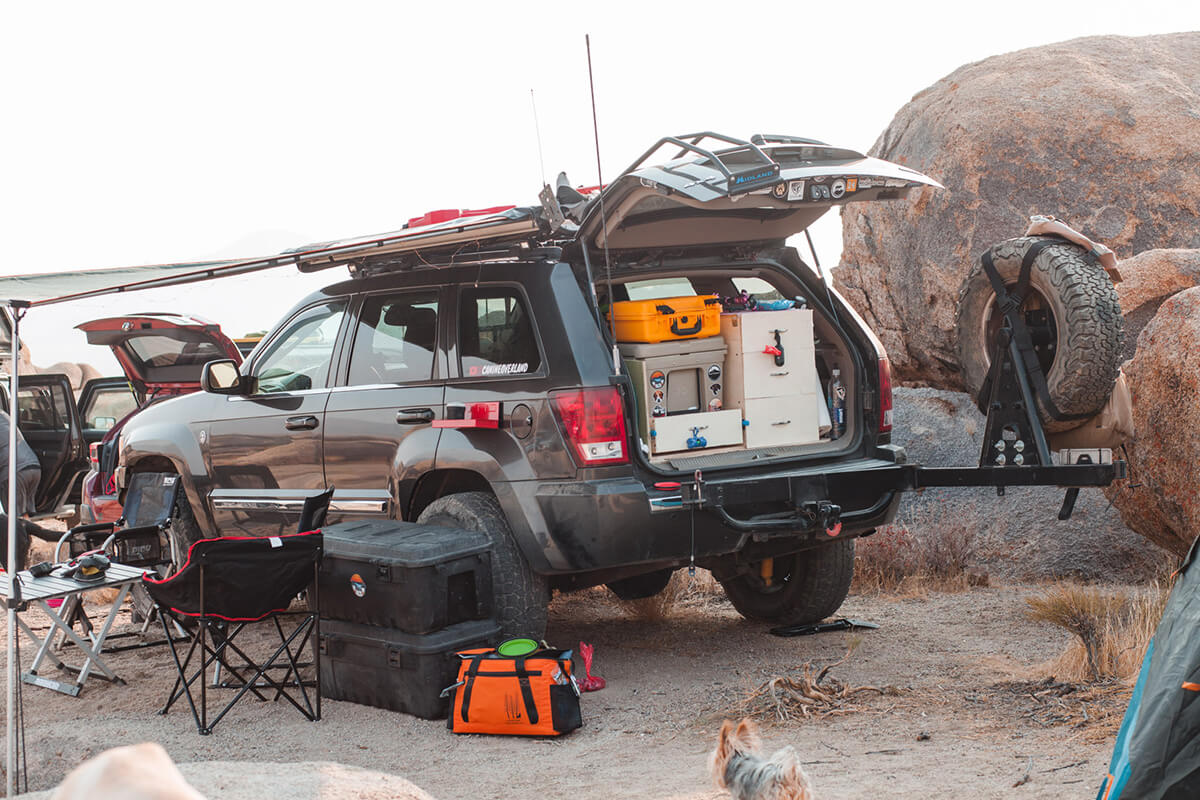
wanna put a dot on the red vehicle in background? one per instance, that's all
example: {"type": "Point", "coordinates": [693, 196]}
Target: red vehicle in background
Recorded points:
{"type": "Point", "coordinates": [162, 355]}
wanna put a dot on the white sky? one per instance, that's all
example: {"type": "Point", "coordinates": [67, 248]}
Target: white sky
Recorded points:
{"type": "Point", "coordinates": [148, 132]}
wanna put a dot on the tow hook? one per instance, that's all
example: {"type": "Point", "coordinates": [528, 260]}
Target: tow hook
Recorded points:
{"type": "Point", "coordinates": [823, 513]}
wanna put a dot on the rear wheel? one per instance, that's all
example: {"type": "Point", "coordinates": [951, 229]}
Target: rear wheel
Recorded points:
{"type": "Point", "coordinates": [803, 587]}
{"type": "Point", "coordinates": [520, 595]}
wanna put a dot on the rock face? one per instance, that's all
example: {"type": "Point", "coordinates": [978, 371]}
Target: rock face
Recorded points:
{"type": "Point", "coordinates": [1161, 500]}
{"type": "Point", "coordinates": [1102, 132]}
{"type": "Point", "coordinates": [1148, 279]}
{"type": "Point", "coordinates": [1018, 536]}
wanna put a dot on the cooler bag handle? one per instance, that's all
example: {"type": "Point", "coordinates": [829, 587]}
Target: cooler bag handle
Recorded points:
{"type": "Point", "coordinates": [531, 711]}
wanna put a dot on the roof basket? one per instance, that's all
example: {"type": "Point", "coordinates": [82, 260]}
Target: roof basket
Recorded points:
{"type": "Point", "coordinates": [761, 170]}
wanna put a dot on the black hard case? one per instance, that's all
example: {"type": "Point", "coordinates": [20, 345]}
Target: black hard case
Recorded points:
{"type": "Point", "coordinates": [395, 670]}
{"type": "Point", "coordinates": [411, 577]}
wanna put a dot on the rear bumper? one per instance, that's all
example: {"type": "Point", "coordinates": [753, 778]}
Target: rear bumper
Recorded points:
{"type": "Point", "coordinates": [621, 522]}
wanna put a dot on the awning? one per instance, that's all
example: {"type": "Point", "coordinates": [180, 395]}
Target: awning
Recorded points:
{"type": "Point", "coordinates": [59, 287]}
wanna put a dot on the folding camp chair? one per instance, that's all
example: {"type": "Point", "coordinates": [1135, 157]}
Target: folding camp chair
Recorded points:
{"type": "Point", "coordinates": [226, 585]}
{"type": "Point", "coordinates": [140, 538]}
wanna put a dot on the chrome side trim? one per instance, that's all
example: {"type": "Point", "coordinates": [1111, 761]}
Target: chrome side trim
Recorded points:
{"type": "Point", "coordinates": [359, 506]}
{"type": "Point", "coordinates": [295, 506]}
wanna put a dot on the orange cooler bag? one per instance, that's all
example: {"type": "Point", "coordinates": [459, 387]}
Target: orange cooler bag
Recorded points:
{"type": "Point", "coordinates": [531, 695]}
{"type": "Point", "coordinates": [667, 318]}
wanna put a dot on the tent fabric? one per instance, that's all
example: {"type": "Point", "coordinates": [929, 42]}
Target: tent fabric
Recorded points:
{"type": "Point", "coordinates": [1157, 753]}
{"type": "Point", "coordinates": [60, 287]}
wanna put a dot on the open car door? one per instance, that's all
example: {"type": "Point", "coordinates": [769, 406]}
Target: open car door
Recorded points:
{"type": "Point", "coordinates": [49, 421]}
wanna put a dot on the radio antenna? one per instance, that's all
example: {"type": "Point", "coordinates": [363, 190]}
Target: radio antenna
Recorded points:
{"type": "Point", "coordinates": [587, 40]}
{"type": "Point", "coordinates": [537, 129]}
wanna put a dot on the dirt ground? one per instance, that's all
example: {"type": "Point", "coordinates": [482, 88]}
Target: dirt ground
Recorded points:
{"type": "Point", "coordinates": [966, 719]}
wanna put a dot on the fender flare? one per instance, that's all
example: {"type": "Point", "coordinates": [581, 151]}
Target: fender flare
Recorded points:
{"type": "Point", "coordinates": [482, 452]}
{"type": "Point", "coordinates": [175, 443]}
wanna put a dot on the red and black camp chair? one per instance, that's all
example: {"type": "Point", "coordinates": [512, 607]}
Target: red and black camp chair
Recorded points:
{"type": "Point", "coordinates": [226, 585]}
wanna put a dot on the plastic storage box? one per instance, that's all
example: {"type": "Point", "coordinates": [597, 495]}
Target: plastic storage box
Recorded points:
{"type": "Point", "coordinates": [403, 575]}
{"type": "Point", "coordinates": [667, 318]}
{"type": "Point", "coordinates": [391, 669]}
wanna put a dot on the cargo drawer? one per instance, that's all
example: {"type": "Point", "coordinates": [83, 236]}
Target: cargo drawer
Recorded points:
{"type": "Point", "coordinates": [777, 421]}
{"type": "Point", "coordinates": [404, 575]}
{"type": "Point", "coordinates": [718, 428]}
{"type": "Point", "coordinates": [386, 668]}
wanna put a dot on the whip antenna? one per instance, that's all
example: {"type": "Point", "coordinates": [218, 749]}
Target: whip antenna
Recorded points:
{"type": "Point", "coordinates": [537, 129]}
{"type": "Point", "coordinates": [587, 40]}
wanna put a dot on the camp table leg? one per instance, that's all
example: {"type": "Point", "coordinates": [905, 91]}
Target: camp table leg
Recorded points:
{"type": "Point", "coordinates": [98, 640]}
{"type": "Point", "coordinates": [43, 644]}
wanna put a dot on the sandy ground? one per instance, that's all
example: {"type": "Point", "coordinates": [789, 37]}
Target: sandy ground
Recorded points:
{"type": "Point", "coordinates": [955, 729]}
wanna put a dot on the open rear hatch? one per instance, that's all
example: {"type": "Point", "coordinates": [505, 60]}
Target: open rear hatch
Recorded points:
{"type": "Point", "coordinates": [758, 383]}
{"type": "Point", "coordinates": [764, 189]}
{"type": "Point", "coordinates": [161, 352]}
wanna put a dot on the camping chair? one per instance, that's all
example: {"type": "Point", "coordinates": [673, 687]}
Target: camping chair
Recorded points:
{"type": "Point", "coordinates": [312, 518]}
{"type": "Point", "coordinates": [226, 585]}
{"type": "Point", "coordinates": [140, 538]}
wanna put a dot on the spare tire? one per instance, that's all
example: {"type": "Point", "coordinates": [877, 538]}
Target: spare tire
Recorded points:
{"type": "Point", "coordinates": [1073, 316]}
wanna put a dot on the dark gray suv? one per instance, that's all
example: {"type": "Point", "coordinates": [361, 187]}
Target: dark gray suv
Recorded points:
{"type": "Point", "coordinates": [467, 374]}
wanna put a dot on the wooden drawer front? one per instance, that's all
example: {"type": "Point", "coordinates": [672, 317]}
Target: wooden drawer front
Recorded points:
{"type": "Point", "coordinates": [776, 421]}
{"type": "Point", "coordinates": [753, 375]}
{"type": "Point", "coordinates": [719, 428]}
{"type": "Point", "coordinates": [752, 331]}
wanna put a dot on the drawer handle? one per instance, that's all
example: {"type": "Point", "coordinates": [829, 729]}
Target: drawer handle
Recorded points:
{"type": "Point", "coordinates": [783, 422]}
{"type": "Point", "coordinates": [780, 374]}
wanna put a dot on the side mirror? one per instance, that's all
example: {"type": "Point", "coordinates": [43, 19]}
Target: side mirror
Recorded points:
{"type": "Point", "coordinates": [222, 377]}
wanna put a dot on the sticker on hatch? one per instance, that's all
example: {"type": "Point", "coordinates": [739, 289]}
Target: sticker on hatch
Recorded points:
{"type": "Point", "coordinates": [358, 585]}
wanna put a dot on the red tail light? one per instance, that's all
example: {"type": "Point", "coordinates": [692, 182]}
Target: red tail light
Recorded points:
{"type": "Point", "coordinates": [885, 395]}
{"type": "Point", "coordinates": [593, 422]}
{"type": "Point", "coordinates": [94, 455]}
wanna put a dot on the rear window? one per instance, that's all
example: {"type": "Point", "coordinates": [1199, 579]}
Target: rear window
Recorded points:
{"type": "Point", "coordinates": [660, 288]}
{"type": "Point", "coordinates": [495, 334]}
{"type": "Point", "coordinates": [157, 351]}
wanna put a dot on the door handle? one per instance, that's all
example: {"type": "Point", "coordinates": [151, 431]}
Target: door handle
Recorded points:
{"type": "Point", "coordinates": [414, 416]}
{"type": "Point", "coordinates": [306, 423]}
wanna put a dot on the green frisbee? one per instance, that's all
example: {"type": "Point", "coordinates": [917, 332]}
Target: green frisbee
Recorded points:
{"type": "Point", "coordinates": [511, 648]}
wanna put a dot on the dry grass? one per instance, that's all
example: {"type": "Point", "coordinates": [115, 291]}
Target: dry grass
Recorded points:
{"type": "Point", "coordinates": [913, 556]}
{"type": "Point", "coordinates": [1112, 630]}
{"type": "Point", "coordinates": [806, 692]}
{"type": "Point", "coordinates": [700, 592]}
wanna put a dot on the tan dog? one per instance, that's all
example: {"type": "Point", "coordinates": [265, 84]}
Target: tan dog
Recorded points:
{"type": "Point", "coordinates": [137, 772]}
{"type": "Point", "coordinates": [737, 766]}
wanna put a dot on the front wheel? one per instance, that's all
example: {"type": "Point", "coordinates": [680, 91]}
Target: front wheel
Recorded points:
{"type": "Point", "coordinates": [803, 587]}
{"type": "Point", "coordinates": [520, 595]}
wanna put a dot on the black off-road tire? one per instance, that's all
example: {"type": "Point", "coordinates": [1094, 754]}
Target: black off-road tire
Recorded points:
{"type": "Point", "coordinates": [184, 530]}
{"type": "Point", "coordinates": [1089, 328]}
{"type": "Point", "coordinates": [806, 587]}
{"type": "Point", "coordinates": [520, 595]}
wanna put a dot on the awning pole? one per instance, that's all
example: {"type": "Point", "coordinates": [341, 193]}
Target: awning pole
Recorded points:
{"type": "Point", "coordinates": [13, 511]}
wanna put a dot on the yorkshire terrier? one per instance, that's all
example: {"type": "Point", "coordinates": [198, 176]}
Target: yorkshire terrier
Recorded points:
{"type": "Point", "coordinates": [736, 765]}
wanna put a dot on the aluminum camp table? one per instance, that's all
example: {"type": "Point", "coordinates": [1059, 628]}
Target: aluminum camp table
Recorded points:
{"type": "Point", "coordinates": [71, 591]}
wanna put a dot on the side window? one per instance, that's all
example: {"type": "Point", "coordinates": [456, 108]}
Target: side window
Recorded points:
{"type": "Point", "coordinates": [395, 339]}
{"type": "Point", "coordinates": [300, 356]}
{"type": "Point", "coordinates": [41, 410]}
{"type": "Point", "coordinates": [106, 407]}
{"type": "Point", "coordinates": [495, 334]}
